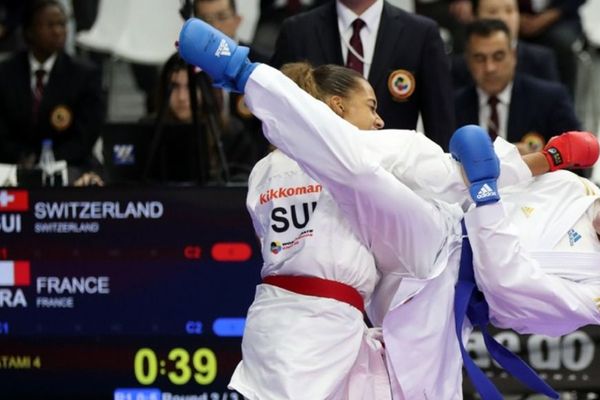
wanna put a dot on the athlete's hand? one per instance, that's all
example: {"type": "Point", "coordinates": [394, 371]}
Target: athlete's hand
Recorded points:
{"type": "Point", "coordinates": [573, 149]}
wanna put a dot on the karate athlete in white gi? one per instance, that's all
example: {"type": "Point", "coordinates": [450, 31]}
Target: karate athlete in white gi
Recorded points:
{"type": "Point", "coordinates": [536, 254]}
{"type": "Point", "coordinates": [310, 347]}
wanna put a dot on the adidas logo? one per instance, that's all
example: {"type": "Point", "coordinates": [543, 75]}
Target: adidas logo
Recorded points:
{"type": "Point", "coordinates": [223, 49]}
{"type": "Point", "coordinates": [573, 237]}
{"type": "Point", "coordinates": [485, 191]}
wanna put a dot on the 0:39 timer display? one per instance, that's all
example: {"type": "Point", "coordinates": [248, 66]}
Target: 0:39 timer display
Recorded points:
{"type": "Point", "coordinates": [179, 367]}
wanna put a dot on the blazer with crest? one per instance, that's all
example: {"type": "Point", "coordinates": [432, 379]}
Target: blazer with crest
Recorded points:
{"type": "Point", "coordinates": [536, 106]}
{"type": "Point", "coordinates": [71, 112]}
{"type": "Point", "coordinates": [405, 42]}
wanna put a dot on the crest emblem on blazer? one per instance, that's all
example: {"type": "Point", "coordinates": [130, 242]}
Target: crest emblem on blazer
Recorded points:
{"type": "Point", "coordinates": [534, 141]}
{"type": "Point", "coordinates": [242, 109]}
{"type": "Point", "coordinates": [401, 84]}
{"type": "Point", "coordinates": [61, 117]}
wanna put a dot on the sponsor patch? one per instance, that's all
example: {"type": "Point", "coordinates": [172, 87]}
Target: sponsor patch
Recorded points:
{"type": "Point", "coordinates": [285, 192]}
{"type": "Point", "coordinates": [275, 247]}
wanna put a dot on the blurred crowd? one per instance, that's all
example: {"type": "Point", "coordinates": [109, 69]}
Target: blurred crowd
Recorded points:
{"type": "Point", "coordinates": [520, 68]}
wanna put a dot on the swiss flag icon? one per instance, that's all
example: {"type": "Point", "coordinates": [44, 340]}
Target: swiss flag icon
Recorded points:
{"type": "Point", "coordinates": [14, 200]}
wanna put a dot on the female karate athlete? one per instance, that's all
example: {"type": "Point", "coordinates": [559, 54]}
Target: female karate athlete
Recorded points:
{"type": "Point", "coordinates": [298, 346]}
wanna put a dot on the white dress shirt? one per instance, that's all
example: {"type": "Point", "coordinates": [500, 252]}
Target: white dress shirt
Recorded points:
{"type": "Point", "coordinates": [368, 34]}
{"type": "Point", "coordinates": [35, 65]}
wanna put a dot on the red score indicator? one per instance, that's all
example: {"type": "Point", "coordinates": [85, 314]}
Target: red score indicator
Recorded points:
{"type": "Point", "coordinates": [192, 252]}
{"type": "Point", "coordinates": [231, 251]}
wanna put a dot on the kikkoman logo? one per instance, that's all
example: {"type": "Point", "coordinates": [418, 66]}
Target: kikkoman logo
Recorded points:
{"type": "Point", "coordinates": [284, 192]}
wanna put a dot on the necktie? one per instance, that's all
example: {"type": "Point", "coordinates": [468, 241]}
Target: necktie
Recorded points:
{"type": "Point", "coordinates": [470, 302]}
{"type": "Point", "coordinates": [353, 61]}
{"type": "Point", "coordinates": [38, 91]}
{"type": "Point", "coordinates": [493, 122]}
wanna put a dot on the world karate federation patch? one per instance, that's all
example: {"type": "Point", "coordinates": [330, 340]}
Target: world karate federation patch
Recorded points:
{"type": "Point", "coordinates": [276, 247]}
{"type": "Point", "coordinates": [401, 84]}
{"type": "Point", "coordinates": [573, 237]}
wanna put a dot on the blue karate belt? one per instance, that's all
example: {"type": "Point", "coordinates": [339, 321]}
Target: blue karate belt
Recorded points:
{"type": "Point", "coordinates": [469, 301]}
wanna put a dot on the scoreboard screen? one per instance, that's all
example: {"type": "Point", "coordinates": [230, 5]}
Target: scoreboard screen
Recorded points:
{"type": "Point", "coordinates": [128, 293]}
{"type": "Point", "coordinates": [140, 293]}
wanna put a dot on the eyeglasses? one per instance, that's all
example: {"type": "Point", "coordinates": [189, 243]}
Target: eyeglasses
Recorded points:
{"type": "Point", "coordinates": [217, 17]}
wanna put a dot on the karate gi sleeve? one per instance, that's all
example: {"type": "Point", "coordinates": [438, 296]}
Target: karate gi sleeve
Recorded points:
{"type": "Point", "coordinates": [405, 233]}
{"type": "Point", "coordinates": [520, 294]}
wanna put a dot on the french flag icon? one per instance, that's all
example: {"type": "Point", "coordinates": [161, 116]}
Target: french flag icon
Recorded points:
{"type": "Point", "coordinates": [15, 273]}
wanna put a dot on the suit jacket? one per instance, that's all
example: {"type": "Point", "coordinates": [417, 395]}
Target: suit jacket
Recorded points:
{"type": "Point", "coordinates": [535, 106]}
{"type": "Point", "coordinates": [532, 59]}
{"type": "Point", "coordinates": [71, 111]}
{"type": "Point", "coordinates": [404, 41]}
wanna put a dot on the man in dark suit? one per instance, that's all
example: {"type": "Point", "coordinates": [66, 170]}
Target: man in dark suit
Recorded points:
{"type": "Point", "coordinates": [532, 59]}
{"type": "Point", "coordinates": [45, 93]}
{"type": "Point", "coordinates": [519, 108]}
{"type": "Point", "coordinates": [401, 54]}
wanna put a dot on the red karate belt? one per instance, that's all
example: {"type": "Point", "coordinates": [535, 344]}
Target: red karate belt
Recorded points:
{"type": "Point", "coordinates": [318, 287]}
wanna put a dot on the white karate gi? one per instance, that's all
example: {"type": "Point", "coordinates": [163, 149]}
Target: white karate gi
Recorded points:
{"type": "Point", "coordinates": [408, 237]}
{"type": "Point", "coordinates": [537, 255]}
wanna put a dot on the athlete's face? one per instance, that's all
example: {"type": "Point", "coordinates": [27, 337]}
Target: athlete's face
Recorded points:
{"type": "Point", "coordinates": [359, 107]}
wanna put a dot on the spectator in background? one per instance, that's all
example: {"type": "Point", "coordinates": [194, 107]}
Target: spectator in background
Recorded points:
{"type": "Point", "coordinates": [240, 149]}
{"type": "Point", "coordinates": [45, 93]}
{"type": "Point", "coordinates": [521, 109]}
{"type": "Point", "coordinates": [244, 140]}
{"type": "Point", "coordinates": [532, 59]}
{"type": "Point", "coordinates": [401, 54]}
{"type": "Point", "coordinates": [556, 24]}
